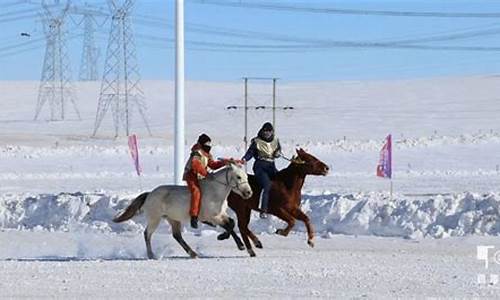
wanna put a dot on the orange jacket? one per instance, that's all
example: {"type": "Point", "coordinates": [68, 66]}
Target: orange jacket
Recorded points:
{"type": "Point", "coordinates": [198, 163]}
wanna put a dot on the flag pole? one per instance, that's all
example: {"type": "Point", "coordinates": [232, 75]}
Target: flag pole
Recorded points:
{"type": "Point", "coordinates": [140, 182]}
{"type": "Point", "coordinates": [391, 189]}
{"type": "Point", "coordinates": [390, 160]}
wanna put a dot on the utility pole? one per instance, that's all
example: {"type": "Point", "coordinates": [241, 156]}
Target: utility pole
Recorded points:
{"type": "Point", "coordinates": [274, 102]}
{"type": "Point", "coordinates": [179, 92]}
{"type": "Point", "coordinates": [246, 107]}
{"type": "Point", "coordinates": [246, 114]}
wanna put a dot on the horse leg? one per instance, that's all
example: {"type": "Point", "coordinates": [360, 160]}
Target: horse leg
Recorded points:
{"type": "Point", "coordinates": [243, 220]}
{"type": "Point", "coordinates": [300, 215]}
{"type": "Point", "coordinates": [250, 234]}
{"type": "Point", "coordinates": [176, 233]}
{"type": "Point", "coordinates": [236, 238]}
{"type": "Point", "coordinates": [152, 225]}
{"type": "Point", "coordinates": [288, 218]}
{"type": "Point", "coordinates": [223, 236]}
{"type": "Point", "coordinates": [254, 239]}
{"type": "Point", "coordinates": [228, 225]}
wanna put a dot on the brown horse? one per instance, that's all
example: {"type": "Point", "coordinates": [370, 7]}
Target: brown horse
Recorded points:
{"type": "Point", "coordinates": [284, 199]}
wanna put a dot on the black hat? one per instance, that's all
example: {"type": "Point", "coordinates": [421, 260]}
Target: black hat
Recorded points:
{"type": "Point", "coordinates": [267, 126]}
{"type": "Point", "coordinates": [203, 139]}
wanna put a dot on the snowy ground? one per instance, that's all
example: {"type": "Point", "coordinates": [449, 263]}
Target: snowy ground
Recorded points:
{"type": "Point", "coordinates": [59, 188]}
{"type": "Point", "coordinates": [87, 265]}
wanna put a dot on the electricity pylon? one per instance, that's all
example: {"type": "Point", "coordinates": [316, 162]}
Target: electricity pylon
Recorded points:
{"type": "Point", "coordinates": [90, 53]}
{"type": "Point", "coordinates": [55, 85]}
{"type": "Point", "coordinates": [120, 87]}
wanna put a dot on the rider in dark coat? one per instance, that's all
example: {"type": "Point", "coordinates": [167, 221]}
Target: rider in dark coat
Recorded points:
{"type": "Point", "coordinates": [265, 147]}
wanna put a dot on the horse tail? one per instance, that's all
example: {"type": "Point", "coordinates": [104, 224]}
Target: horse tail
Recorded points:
{"type": "Point", "coordinates": [132, 209]}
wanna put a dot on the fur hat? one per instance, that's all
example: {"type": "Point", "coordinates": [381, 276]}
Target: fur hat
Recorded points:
{"type": "Point", "coordinates": [267, 126]}
{"type": "Point", "coordinates": [204, 139]}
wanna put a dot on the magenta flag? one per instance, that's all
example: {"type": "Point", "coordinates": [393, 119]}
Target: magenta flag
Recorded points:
{"type": "Point", "coordinates": [134, 152]}
{"type": "Point", "coordinates": [384, 167]}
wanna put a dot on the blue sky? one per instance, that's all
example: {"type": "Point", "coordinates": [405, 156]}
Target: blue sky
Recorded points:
{"type": "Point", "coordinates": [154, 21]}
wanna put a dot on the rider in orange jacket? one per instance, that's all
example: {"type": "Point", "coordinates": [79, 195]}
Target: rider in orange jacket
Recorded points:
{"type": "Point", "coordinates": [197, 168]}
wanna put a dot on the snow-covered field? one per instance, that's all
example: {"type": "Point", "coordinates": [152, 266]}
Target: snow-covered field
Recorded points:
{"type": "Point", "coordinates": [59, 187]}
{"type": "Point", "coordinates": [69, 265]}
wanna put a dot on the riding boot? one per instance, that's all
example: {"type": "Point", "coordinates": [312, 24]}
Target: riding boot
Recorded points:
{"type": "Point", "coordinates": [194, 222]}
{"type": "Point", "coordinates": [263, 204]}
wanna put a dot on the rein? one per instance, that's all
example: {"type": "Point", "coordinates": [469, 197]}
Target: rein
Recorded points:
{"type": "Point", "coordinates": [285, 158]}
{"type": "Point", "coordinates": [293, 160]}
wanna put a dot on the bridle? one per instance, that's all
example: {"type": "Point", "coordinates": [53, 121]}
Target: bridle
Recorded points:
{"type": "Point", "coordinates": [228, 183]}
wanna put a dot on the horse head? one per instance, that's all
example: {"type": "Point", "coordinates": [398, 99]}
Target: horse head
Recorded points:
{"type": "Point", "coordinates": [310, 164]}
{"type": "Point", "coordinates": [238, 180]}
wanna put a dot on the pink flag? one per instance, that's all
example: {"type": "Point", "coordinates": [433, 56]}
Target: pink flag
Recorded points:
{"type": "Point", "coordinates": [384, 167]}
{"type": "Point", "coordinates": [134, 152]}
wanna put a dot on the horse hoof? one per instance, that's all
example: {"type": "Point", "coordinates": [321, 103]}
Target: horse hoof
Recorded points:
{"type": "Point", "coordinates": [223, 236]}
{"type": "Point", "coordinates": [280, 232]}
{"type": "Point", "coordinates": [251, 252]}
{"type": "Point", "coordinates": [310, 243]}
{"type": "Point", "coordinates": [193, 254]}
{"type": "Point", "coordinates": [241, 247]}
{"type": "Point", "coordinates": [258, 244]}
{"type": "Point", "coordinates": [151, 256]}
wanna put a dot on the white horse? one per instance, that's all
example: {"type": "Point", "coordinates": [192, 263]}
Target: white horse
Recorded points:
{"type": "Point", "coordinates": [172, 203]}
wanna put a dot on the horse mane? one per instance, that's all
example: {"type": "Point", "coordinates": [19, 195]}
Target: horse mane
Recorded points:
{"type": "Point", "coordinates": [221, 169]}
{"type": "Point", "coordinates": [224, 168]}
{"type": "Point", "coordinates": [289, 174]}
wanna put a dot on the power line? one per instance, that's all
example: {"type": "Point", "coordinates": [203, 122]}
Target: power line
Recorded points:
{"type": "Point", "coordinates": [338, 11]}
{"type": "Point", "coordinates": [20, 49]}
{"type": "Point", "coordinates": [220, 31]}
{"type": "Point", "coordinates": [30, 42]}
{"type": "Point", "coordinates": [18, 18]}
{"type": "Point", "coordinates": [315, 47]}
{"type": "Point", "coordinates": [15, 3]}
{"type": "Point", "coordinates": [161, 23]}
{"type": "Point", "coordinates": [17, 52]}
{"type": "Point", "coordinates": [19, 12]}
{"type": "Point", "coordinates": [450, 37]}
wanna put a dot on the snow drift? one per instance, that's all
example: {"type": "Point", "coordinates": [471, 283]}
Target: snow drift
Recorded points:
{"type": "Point", "coordinates": [359, 214]}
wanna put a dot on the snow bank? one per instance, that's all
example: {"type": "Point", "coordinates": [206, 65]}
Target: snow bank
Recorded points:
{"type": "Point", "coordinates": [374, 214]}
{"type": "Point", "coordinates": [63, 212]}
{"type": "Point", "coordinates": [362, 214]}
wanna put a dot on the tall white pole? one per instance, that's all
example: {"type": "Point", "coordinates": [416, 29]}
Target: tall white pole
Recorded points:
{"type": "Point", "coordinates": [179, 92]}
